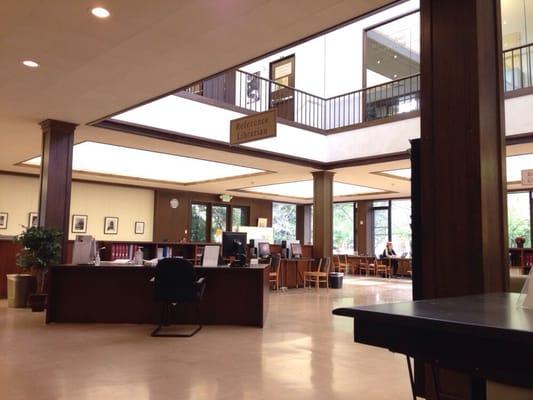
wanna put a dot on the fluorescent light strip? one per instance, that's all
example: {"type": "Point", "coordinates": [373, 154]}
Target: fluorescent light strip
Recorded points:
{"type": "Point", "coordinates": [515, 165]}
{"type": "Point", "coordinates": [304, 189]}
{"type": "Point", "coordinates": [99, 158]}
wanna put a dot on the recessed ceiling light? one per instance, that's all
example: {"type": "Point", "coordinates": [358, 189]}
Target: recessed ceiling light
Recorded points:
{"type": "Point", "coordinates": [505, 22]}
{"type": "Point", "coordinates": [395, 56]}
{"type": "Point", "coordinates": [396, 75]}
{"type": "Point", "coordinates": [30, 63]}
{"type": "Point", "coordinates": [100, 12]}
{"type": "Point", "coordinates": [379, 61]}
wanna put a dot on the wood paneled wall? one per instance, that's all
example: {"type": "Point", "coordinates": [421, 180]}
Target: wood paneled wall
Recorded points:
{"type": "Point", "coordinates": [170, 224]}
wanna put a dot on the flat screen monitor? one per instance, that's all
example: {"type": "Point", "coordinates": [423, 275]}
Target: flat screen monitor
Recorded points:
{"type": "Point", "coordinates": [233, 243]}
{"type": "Point", "coordinates": [296, 250]}
{"type": "Point", "coordinates": [263, 249]}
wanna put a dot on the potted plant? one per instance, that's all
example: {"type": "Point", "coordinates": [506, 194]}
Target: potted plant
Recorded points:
{"type": "Point", "coordinates": [520, 241]}
{"type": "Point", "coordinates": [41, 247]}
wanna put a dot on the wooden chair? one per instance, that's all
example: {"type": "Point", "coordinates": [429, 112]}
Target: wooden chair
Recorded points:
{"type": "Point", "coordinates": [384, 267]}
{"type": "Point", "coordinates": [273, 276]}
{"type": "Point", "coordinates": [336, 263]}
{"type": "Point", "coordinates": [368, 265]}
{"type": "Point", "coordinates": [344, 264]}
{"type": "Point", "coordinates": [320, 275]}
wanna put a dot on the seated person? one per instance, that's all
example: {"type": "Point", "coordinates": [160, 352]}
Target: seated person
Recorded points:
{"type": "Point", "coordinates": [390, 253]}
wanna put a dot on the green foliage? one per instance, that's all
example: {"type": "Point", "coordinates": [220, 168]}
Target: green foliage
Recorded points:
{"type": "Point", "coordinates": [518, 222]}
{"type": "Point", "coordinates": [198, 223]}
{"type": "Point", "coordinates": [284, 221]}
{"type": "Point", "coordinates": [41, 247]}
{"type": "Point", "coordinates": [343, 227]}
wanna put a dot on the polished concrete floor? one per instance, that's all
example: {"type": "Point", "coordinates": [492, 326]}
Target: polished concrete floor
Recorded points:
{"type": "Point", "coordinates": [302, 353]}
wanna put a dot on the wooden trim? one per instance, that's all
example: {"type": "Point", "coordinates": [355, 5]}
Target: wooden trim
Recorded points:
{"type": "Point", "coordinates": [518, 92]}
{"type": "Point", "coordinates": [206, 143]}
{"type": "Point", "coordinates": [355, 162]}
{"type": "Point", "coordinates": [374, 122]}
{"type": "Point", "coordinates": [521, 138]}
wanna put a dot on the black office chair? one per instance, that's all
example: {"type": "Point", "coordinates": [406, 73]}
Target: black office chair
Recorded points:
{"type": "Point", "coordinates": [175, 282]}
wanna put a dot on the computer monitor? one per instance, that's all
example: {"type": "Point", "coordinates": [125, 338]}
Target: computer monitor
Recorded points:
{"type": "Point", "coordinates": [296, 250]}
{"type": "Point", "coordinates": [233, 243]}
{"type": "Point", "coordinates": [263, 249]}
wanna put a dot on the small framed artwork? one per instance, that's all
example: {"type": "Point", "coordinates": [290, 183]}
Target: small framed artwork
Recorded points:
{"type": "Point", "coordinates": [79, 224]}
{"type": "Point", "coordinates": [262, 222]}
{"type": "Point", "coordinates": [3, 220]}
{"type": "Point", "coordinates": [33, 220]}
{"type": "Point", "coordinates": [139, 228]}
{"type": "Point", "coordinates": [110, 225]}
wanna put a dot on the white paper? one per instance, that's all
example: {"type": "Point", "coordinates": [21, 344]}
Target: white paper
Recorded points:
{"type": "Point", "coordinates": [210, 256]}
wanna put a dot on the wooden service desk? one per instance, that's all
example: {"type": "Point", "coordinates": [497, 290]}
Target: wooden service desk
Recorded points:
{"type": "Point", "coordinates": [292, 271]}
{"type": "Point", "coordinates": [485, 336]}
{"type": "Point", "coordinates": [125, 294]}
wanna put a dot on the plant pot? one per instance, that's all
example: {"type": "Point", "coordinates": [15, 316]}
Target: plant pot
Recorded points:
{"type": "Point", "coordinates": [37, 302]}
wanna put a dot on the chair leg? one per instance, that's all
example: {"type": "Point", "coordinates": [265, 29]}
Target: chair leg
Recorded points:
{"type": "Point", "coordinates": [165, 320]}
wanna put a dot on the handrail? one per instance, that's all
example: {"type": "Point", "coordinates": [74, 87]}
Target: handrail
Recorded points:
{"type": "Point", "coordinates": [256, 93]}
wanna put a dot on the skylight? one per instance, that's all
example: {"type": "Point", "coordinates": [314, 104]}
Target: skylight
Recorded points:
{"type": "Point", "coordinates": [515, 166]}
{"type": "Point", "coordinates": [100, 158]}
{"type": "Point", "coordinates": [304, 189]}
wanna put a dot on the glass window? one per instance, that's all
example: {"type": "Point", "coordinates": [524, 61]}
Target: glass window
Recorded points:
{"type": "Point", "coordinates": [343, 228]}
{"type": "Point", "coordinates": [284, 221]}
{"type": "Point", "coordinates": [219, 221]}
{"type": "Point", "coordinates": [239, 217]}
{"type": "Point", "coordinates": [519, 217]}
{"type": "Point", "coordinates": [513, 23]}
{"type": "Point", "coordinates": [198, 222]}
{"type": "Point", "coordinates": [381, 229]}
{"type": "Point", "coordinates": [393, 50]}
{"type": "Point", "coordinates": [401, 225]}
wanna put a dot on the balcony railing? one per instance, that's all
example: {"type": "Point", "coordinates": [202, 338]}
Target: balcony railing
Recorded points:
{"type": "Point", "coordinates": [254, 93]}
{"type": "Point", "coordinates": [517, 63]}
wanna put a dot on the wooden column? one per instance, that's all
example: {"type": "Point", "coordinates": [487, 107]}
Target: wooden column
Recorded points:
{"type": "Point", "coordinates": [361, 226]}
{"type": "Point", "coordinates": [462, 171]}
{"type": "Point", "coordinates": [323, 214]}
{"type": "Point", "coordinates": [56, 177]}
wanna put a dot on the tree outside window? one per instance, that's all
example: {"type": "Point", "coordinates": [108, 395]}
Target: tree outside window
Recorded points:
{"type": "Point", "coordinates": [284, 221]}
{"type": "Point", "coordinates": [198, 222]}
{"type": "Point", "coordinates": [519, 217]}
{"type": "Point", "coordinates": [343, 228]}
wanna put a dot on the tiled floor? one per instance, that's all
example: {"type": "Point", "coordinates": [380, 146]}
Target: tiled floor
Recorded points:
{"type": "Point", "coordinates": [302, 353]}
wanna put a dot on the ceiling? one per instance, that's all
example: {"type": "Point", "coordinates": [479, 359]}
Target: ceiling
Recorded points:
{"type": "Point", "coordinates": [90, 68]}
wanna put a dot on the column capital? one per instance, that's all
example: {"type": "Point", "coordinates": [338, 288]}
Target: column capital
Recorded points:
{"type": "Point", "coordinates": [54, 125]}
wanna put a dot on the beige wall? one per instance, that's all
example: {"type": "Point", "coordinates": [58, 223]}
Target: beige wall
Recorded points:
{"type": "Point", "coordinates": [19, 197]}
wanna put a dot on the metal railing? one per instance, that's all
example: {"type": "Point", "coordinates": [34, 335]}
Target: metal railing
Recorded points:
{"type": "Point", "coordinates": [517, 63]}
{"type": "Point", "coordinates": [252, 92]}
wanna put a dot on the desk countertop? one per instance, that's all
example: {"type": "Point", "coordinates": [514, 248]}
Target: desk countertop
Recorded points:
{"type": "Point", "coordinates": [494, 315]}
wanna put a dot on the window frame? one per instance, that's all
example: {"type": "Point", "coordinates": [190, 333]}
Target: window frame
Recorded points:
{"type": "Point", "coordinates": [209, 216]}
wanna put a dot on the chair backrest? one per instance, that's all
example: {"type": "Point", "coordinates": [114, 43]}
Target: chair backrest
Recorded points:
{"type": "Point", "coordinates": [174, 280]}
{"type": "Point", "coordinates": [275, 261]}
{"type": "Point", "coordinates": [326, 265]}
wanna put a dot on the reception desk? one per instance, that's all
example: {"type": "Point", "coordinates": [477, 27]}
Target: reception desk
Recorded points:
{"type": "Point", "coordinates": [125, 294]}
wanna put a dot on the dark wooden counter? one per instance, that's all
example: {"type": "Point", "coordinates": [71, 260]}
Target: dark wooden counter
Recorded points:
{"type": "Point", "coordinates": [484, 335]}
{"type": "Point", "coordinates": [124, 294]}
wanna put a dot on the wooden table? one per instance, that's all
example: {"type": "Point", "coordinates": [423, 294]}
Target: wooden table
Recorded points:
{"type": "Point", "coordinates": [125, 294]}
{"type": "Point", "coordinates": [485, 336]}
{"type": "Point", "coordinates": [292, 271]}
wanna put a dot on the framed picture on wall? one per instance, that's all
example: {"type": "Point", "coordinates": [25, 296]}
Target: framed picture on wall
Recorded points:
{"type": "Point", "coordinates": [110, 225]}
{"type": "Point", "coordinates": [3, 220]}
{"type": "Point", "coordinates": [139, 228]}
{"type": "Point", "coordinates": [262, 222]}
{"type": "Point", "coordinates": [33, 220]}
{"type": "Point", "coordinates": [79, 224]}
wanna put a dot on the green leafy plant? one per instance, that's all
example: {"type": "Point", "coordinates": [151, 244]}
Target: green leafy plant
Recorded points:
{"type": "Point", "coordinates": [41, 247]}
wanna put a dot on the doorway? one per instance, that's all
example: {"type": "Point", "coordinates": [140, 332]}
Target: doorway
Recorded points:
{"type": "Point", "coordinates": [281, 92]}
